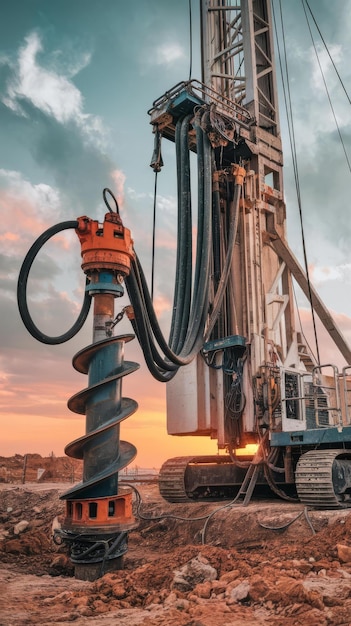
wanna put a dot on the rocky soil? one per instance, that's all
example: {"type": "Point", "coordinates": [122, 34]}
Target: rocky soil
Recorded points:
{"type": "Point", "coordinates": [271, 563]}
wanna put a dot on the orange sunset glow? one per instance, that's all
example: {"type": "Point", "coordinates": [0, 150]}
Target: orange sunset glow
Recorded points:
{"type": "Point", "coordinates": [28, 429]}
{"type": "Point", "coordinates": [36, 419]}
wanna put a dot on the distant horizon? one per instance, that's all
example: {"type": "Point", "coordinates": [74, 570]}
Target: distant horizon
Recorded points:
{"type": "Point", "coordinates": [130, 469]}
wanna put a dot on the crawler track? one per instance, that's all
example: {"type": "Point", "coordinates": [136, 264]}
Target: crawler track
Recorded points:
{"type": "Point", "coordinates": [189, 478]}
{"type": "Point", "coordinates": [172, 479]}
{"type": "Point", "coordinates": [318, 474]}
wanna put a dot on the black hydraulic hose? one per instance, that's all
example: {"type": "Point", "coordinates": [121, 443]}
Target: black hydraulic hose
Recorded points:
{"type": "Point", "coordinates": [216, 253]}
{"type": "Point", "coordinates": [199, 305]}
{"type": "Point", "coordinates": [179, 232]}
{"type": "Point", "coordinates": [138, 294]}
{"type": "Point", "coordinates": [177, 358]}
{"type": "Point", "coordinates": [190, 310]}
{"type": "Point", "coordinates": [22, 290]}
{"type": "Point", "coordinates": [158, 366]}
{"type": "Point", "coordinates": [191, 329]}
{"type": "Point", "coordinates": [201, 199]}
{"type": "Point", "coordinates": [197, 340]}
{"type": "Point", "coordinates": [216, 218]}
{"type": "Point", "coordinates": [189, 334]}
{"type": "Point", "coordinates": [183, 278]}
{"type": "Point", "coordinates": [141, 331]}
{"type": "Point", "coordinates": [234, 217]}
{"type": "Point", "coordinates": [186, 210]}
{"type": "Point", "coordinates": [153, 321]}
{"type": "Point", "coordinates": [145, 327]}
{"type": "Point", "coordinates": [202, 269]}
{"type": "Point", "coordinates": [162, 369]}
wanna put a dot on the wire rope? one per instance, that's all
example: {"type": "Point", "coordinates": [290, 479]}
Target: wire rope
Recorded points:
{"type": "Point", "coordinates": [153, 238]}
{"type": "Point", "coordinates": [328, 51]}
{"type": "Point", "coordinates": [301, 327]}
{"type": "Point", "coordinates": [190, 40]}
{"type": "Point", "coordinates": [327, 90]}
{"type": "Point", "coordinates": [291, 130]}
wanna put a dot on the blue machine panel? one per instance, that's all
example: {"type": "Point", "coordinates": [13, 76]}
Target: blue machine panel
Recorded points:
{"type": "Point", "coordinates": [312, 437]}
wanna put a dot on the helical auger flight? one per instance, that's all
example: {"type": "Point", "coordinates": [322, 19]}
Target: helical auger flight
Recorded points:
{"type": "Point", "coordinates": [98, 510]}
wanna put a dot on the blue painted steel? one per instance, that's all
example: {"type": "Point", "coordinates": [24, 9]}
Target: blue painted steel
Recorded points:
{"type": "Point", "coordinates": [99, 287]}
{"type": "Point", "coordinates": [226, 342]}
{"type": "Point", "coordinates": [101, 449]}
{"type": "Point", "coordinates": [106, 284]}
{"type": "Point", "coordinates": [183, 104]}
{"type": "Point", "coordinates": [310, 437]}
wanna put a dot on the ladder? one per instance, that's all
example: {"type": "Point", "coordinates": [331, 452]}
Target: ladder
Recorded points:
{"type": "Point", "coordinates": [250, 480]}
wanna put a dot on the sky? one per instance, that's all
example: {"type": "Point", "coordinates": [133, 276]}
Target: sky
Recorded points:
{"type": "Point", "coordinates": [77, 78]}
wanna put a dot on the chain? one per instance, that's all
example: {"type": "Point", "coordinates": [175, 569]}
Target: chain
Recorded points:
{"type": "Point", "coordinates": [118, 317]}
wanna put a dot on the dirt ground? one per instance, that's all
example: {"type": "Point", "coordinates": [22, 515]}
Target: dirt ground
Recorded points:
{"type": "Point", "coordinates": [270, 563]}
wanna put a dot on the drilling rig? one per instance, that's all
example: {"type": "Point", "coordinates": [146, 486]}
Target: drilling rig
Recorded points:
{"type": "Point", "coordinates": [254, 380]}
{"type": "Point", "coordinates": [237, 369]}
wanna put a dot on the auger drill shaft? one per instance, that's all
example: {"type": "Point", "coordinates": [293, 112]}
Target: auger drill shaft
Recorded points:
{"type": "Point", "coordinates": [98, 510]}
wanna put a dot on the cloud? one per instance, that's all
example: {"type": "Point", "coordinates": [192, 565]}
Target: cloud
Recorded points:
{"type": "Point", "coordinates": [162, 306]}
{"type": "Point", "coordinates": [330, 273]}
{"type": "Point", "coordinates": [135, 195]}
{"type": "Point", "coordinates": [168, 53]}
{"type": "Point", "coordinates": [322, 65]}
{"type": "Point", "coordinates": [27, 210]}
{"type": "Point", "coordinates": [323, 170]}
{"type": "Point", "coordinates": [119, 179]}
{"type": "Point", "coordinates": [43, 197]}
{"type": "Point", "coordinates": [329, 353]}
{"type": "Point", "coordinates": [79, 170]}
{"type": "Point", "coordinates": [167, 204]}
{"type": "Point", "coordinates": [53, 297]}
{"type": "Point", "coordinates": [314, 121]}
{"type": "Point", "coordinates": [50, 91]}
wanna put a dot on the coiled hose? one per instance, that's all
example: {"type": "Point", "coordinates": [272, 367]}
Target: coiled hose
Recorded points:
{"type": "Point", "coordinates": [22, 290]}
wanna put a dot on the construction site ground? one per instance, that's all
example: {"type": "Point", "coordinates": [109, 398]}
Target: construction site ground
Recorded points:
{"type": "Point", "coordinates": [270, 563]}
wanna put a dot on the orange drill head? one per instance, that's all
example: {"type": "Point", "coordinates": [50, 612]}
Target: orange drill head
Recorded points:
{"type": "Point", "coordinates": [106, 246]}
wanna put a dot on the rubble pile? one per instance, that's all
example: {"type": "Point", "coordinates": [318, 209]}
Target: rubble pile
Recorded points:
{"type": "Point", "coordinates": [254, 569]}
